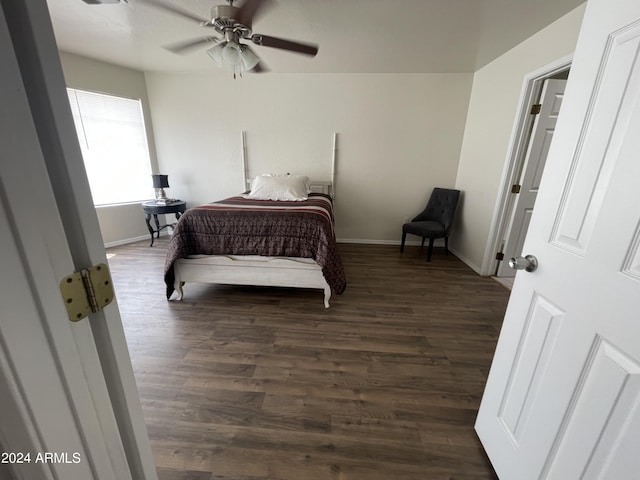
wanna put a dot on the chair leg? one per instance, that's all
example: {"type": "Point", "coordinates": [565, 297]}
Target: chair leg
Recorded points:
{"type": "Point", "coordinates": [422, 244]}
{"type": "Point", "coordinates": [430, 251]}
{"type": "Point", "coordinates": [404, 237]}
{"type": "Point", "coordinates": [446, 245]}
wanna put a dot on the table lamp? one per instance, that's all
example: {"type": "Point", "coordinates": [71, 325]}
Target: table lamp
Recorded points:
{"type": "Point", "coordinates": [160, 182]}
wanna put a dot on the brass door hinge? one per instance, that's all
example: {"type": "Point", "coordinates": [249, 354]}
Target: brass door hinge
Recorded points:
{"type": "Point", "coordinates": [87, 291]}
{"type": "Point", "coordinates": [535, 109]}
{"type": "Point", "coordinates": [515, 188]}
{"type": "Point", "coordinates": [499, 256]}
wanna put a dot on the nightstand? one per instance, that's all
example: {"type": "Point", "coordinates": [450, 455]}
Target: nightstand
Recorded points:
{"type": "Point", "coordinates": [152, 208]}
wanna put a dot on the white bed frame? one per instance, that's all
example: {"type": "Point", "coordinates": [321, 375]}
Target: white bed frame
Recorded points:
{"type": "Point", "coordinates": [254, 269]}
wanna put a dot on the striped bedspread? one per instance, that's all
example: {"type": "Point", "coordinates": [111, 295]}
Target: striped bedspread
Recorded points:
{"type": "Point", "coordinates": [241, 226]}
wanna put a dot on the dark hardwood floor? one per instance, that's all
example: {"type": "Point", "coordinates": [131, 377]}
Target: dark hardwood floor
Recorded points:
{"type": "Point", "coordinates": [265, 383]}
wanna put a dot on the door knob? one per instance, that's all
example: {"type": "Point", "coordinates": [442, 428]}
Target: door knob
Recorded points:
{"type": "Point", "coordinates": [528, 263]}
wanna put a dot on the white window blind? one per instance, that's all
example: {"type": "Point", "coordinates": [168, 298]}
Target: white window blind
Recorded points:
{"type": "Point", "coordinates": [114, 146]}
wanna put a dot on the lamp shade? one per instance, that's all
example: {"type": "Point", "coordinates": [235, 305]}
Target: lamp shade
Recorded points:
{"type": "Point", "coordinates": [249, 59]}
{"type": "Point", "coordinates": [160, 181]}
{"type": "Point", "coordinates": [233, 56]}
{"type": "Point", "coordinates": [216, 53]}
{"type": "Point", "coordinates": [227, 55]}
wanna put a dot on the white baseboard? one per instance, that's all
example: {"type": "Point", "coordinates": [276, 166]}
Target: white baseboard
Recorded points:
{"type": "Point", "coordinates": [135, 239]}
{"type": "Point", "coordinates": [126, 240]}
{"type": "Point", "coordinates": [468, 262]}
{"type": "Point", "coordinates": [415, 243]}
{"type": "Point", "coordinates": [438, 243]}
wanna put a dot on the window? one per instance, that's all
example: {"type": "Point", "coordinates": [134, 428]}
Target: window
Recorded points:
{"type": "Point", "coordinates": [114, 146]}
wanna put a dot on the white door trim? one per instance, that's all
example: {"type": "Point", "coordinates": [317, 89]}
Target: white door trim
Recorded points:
{"type": "Point", "coordinates": [53, 397]}
{"type": "Point", "coordinates": [531, 88]}
{"type": "Point", "coordinates": [35, 47]}
{"type": "Point", "coordinates": [530, 169]}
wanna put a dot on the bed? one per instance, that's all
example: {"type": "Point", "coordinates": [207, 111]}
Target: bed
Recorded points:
{"type": "Point", "coordinates": [253, 240]}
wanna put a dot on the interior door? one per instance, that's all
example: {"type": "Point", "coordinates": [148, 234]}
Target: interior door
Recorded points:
{"type": "Point", "coordinates": [51, 397]}
{"type": "Point", "coordinates": [562, 399]}
{"type": "Point", "coordinates": [65, 388]}
{"type": "Point", "coordinates": [535, 158]}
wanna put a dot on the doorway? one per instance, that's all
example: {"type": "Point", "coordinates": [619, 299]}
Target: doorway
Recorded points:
{"type": "Point", "coordinates": [532, 133]}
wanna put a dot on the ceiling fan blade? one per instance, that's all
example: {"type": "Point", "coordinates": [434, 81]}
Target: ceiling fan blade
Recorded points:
{"type": "Point", "coordinates": [187, 45]}
{"type": "Point", "coordinates": [175, 9]}
{"type": "Point", "coordinates": [283, 44]}
{"type": "Point", "coordinates": [250, 10]}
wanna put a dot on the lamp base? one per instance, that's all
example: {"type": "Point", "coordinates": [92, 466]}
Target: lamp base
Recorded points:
{"type": "Point", "coordinates": [161, 197]}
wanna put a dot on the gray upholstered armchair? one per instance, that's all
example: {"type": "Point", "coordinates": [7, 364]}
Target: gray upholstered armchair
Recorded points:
{"type": "Point", "coordinates": [435, 220]}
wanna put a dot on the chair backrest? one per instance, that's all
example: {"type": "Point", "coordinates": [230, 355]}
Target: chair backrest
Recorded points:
{"type": "Point", "coordinates": [441, 207]}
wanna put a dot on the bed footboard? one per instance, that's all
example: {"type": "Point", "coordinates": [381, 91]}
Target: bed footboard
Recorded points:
{"type": "Point", "coordinates": [250, 270]}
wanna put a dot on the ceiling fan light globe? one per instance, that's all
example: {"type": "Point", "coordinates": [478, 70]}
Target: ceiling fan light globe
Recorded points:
{"type": "Point", "coordinates": [231, 54]}
{"type": "Point", "coordinates": [249, 59]}
{"type": "Point", "coordinates": [216, 53]}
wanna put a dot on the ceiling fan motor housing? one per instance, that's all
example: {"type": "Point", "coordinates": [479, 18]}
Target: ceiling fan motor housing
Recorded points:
{"type": "Point", "coordinates": [233, 24]}
{"type": "Point", "coordinates": [224, 11]}
{"type": "Point", "coordinates": [224, 20]}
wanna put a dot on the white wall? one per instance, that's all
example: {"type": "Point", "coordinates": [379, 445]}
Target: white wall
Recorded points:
{"type": "Point", "coordinates": [118, 223]}
{"type": "Point", "coordinates": [492, 112]}
{"type": "Point", "coordinates": [399, 136]}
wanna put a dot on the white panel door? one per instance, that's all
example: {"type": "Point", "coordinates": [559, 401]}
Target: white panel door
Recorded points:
{"type": "Point", "coordinates": [562, 399]}
{"type": "Point", "coordinates": [67, 391]}
{"type": "Point", "coordinates": [535, 159]}
{"type": "Point", "coordinates": [53, 398]}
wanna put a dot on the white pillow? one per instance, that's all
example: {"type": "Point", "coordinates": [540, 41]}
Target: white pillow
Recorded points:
{"type": "Point", "coordinates": [272, 187]}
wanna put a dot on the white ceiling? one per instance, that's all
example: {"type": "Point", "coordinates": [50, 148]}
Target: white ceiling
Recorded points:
{"type": "Point", "coordinates": [355, 36]}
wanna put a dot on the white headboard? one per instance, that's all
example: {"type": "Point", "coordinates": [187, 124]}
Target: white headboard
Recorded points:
{"type": "Point", "coordinates": [327, 187]}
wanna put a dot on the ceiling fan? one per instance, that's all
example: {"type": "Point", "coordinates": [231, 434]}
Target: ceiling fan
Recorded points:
{"type": "Point", "coordinates": [233, 24]}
